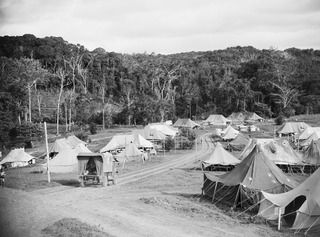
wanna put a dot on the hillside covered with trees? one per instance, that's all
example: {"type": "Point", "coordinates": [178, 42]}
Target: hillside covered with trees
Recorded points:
{"type": "Point", "coordinates": [49, 79]}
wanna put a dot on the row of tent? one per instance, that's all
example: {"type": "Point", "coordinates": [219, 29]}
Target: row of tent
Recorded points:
{"type": "Point", "coordinates": [220, 121]}
{"type": "Point", "coordinates": [279, 151]}
{"type": "Point", "coordinates": [257, 180]}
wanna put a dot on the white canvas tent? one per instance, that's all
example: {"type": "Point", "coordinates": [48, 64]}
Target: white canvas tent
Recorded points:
{"type": "Point", "coordinates": [229, 133]}
{"type": "Point", "coordinates": [300, 207]}
{"type": "Point", "coordinates": [131, 152]}
{"type": "Point", "coordinates": [121, 141]}
{"type": "Point", "coordinates": [313, 137]}
{"type": "Point", "coordinates": [185, 123]}
{"type": "Point", "coordinates": [74, 141]}
{"type": "Point", "coordinates": [81, 148]}
{"type": "Point", "coordinates": [17, 158]}
{"type": "Point", "coordinates": [308, 132]}
{"type": "Point", "coordinates": [217, 120]}
{"type": "Point", "coordinates": [164, 128]}
{"type": "Point", "coordinates": [64, 162]}
{"type": "Point", "coordinates": [59, 145]}
{"type": "Point", "coordinates": [292, 128]}
{"type": "Point", "coordinates": [220, 157]}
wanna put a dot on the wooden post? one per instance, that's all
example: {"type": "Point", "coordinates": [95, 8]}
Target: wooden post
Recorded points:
{"type": "Point", "coordinates": [47, 149]}
{"type": "Point", "coordinates": [279, 218]}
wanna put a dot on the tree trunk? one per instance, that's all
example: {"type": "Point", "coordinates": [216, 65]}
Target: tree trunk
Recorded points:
{"type": "Point", "coordinates": [29, 94]}
{"type": "Point", "coordinates": [19, 119]}
{"type": "Point", "coordinates": [103, 117]}
{"type": "Point", "coordinates": [129, 119]}
{"type": "Point", "coordinates": [58, 107]}
{"type": "Point", "coordinates": [66, 115]}
{"type": "Point", "coordinates": [162, 113]}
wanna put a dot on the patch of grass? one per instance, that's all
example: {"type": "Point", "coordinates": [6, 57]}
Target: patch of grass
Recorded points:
{"type": "Point", "coordinates": [74, 228]}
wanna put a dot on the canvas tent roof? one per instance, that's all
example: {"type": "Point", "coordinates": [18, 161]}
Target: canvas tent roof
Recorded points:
{"type": "Point", "coordinates": [252, 143]}
{"type": "Point", "coordinates": [59, 145]}
{"type": "Point", "coordinates": [237, 117]}
{"type": "Point", "coordinates": [164, 128]}
{"type": "Point", "coordinates": [306, 203]}
{"type": "Point", "coordinates": [121, 141]}
{"type": "Point", "coordinates": [240, 141]}
{"type": "Point", "coordinates": [229, 133]}
{"type": "Point", "coordinates": [140, 141]}
{"type": "Point", "coordinates": [131, 152]}
{"type": "Point", "coordinates": [281, 152]}
{"type": "Point", "coordinates": [17, 156]}
{"type": "Point", "coordinates": [255, 173]}
{"type": "Point", "coordinates": [313, 137]}
{"type": "Point", "coordinates": [185, 123]}
{"type": "Point", "coordinates": [220, 157]}
{"type": "Point", "coordinates": [312, 153]}
{"type": "Point", "coordinates": [278, 150]}
{"type": "Point", "coordinates": [151, 134]}
{"type": "Point", "coordinates": [292, 128]}
{"type": "Point", "coordinates": [74, 141]}
{"type": "Point", "coordinates": [308, 132]}
{"type": "Point", "coordinates": [252, 116]}
{"type": "Point", "coordinates": [81, 148]}
{"type": "Point", "coordinates": [64, 162]}
{"type": "Point", "coordinates": [217, 119]}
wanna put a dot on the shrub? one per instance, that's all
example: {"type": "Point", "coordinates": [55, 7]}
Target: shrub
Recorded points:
{"type": "Point", "coordinates": [93, 128]}
{"type": "Point", "coordinates": [279, 120]}
{"type": "Point", "coordinates": [189, 133]}
{"type": "Point", "coordinates": [169, 144]}
{"type": "Point", "coordinates": [82, 136]}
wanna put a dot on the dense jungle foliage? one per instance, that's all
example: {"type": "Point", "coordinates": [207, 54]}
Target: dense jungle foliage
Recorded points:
{"type": "Point", "coordinates": [49, 79]}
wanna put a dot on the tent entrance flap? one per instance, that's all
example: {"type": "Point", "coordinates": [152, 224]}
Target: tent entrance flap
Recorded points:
{"type": "Point", "coordinates": [290, 210]}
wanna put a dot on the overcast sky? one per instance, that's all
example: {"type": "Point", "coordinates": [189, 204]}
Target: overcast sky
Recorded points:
{"type": "Point", "coordinates": [167, 26]}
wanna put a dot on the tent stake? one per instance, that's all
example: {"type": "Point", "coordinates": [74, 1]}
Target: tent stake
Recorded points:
{"type": "Point", "coordinates": [279, 218]}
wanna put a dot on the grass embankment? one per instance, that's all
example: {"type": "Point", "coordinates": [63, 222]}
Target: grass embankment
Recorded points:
{"type": "Point", "coordinates": [73, 228]}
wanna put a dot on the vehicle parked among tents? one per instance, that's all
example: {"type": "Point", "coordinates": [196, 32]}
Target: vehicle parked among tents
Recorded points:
{"type": "Point", "coordinates": [96, 167]}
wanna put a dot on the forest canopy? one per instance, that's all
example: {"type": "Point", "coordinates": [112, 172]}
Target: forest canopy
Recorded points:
{"type": "Point", "coordinates": [49, 79]}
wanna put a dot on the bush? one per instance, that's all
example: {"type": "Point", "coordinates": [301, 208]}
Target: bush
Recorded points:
{"type": "Point", "coordinates": [82, 136]}
{"type": "Point", "coordinates": [189, 133]}
{"type": "Point", "coordinates": [169, 144]}
{"type": "Point", "coordinates": [279, 120]}
{"type": "Point", "coordinates": [93, 128]}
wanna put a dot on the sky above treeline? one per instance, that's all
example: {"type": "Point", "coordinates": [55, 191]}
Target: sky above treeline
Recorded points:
{"type": "Point", "coordinates": [167, 26]}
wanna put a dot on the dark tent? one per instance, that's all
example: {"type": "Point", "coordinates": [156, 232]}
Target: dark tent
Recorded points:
{"type": "Point", "coordinates": [242, 185]}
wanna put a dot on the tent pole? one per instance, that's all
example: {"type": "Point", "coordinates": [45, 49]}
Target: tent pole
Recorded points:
{"type": "Point", "coordinates": [235, 200]}
{"type": "Point", "coordinates": [214, 192]}
{"type": "Point", "coordinates": [47, 149]}
{"type": "Point", "coordinates": [279, 218]}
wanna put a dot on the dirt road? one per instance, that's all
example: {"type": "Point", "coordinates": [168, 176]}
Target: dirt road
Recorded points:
{"type": "Point", "coordinates": [162, 200]}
